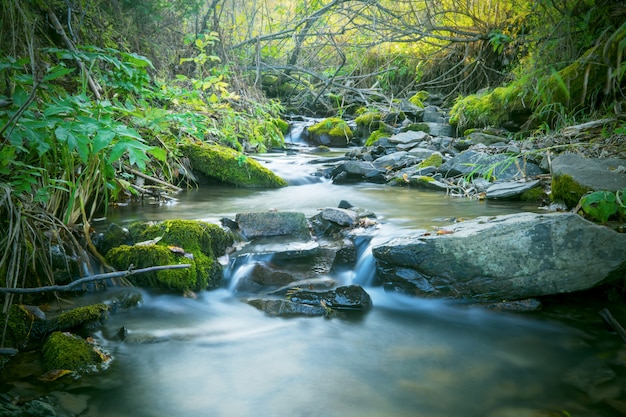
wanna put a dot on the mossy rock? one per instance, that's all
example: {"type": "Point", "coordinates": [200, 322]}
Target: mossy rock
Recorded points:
{"type": "Point", "coordinates": [332, 131]}
{"type": "Point", "coordinates": [565, 189]}
{"type": "Point", "coordinates": [434, 160]}
{"type": "Point", "coordinates": [204, 241]}
{"type": "Point", "coordinates": [369, 121]}
{"type": "Point", "coordinates": [231, 167]}
{"type": "Point", "coordinates": [145, 256]}
{"type": "Point", "coordinates": [418, 98]}
{"type": "Point", "coordinates": [384, 132]}
{"type": "Point", "coordinates": [417, 127]}
{"type": "Point", "coordinates": [17, 327]}
{"type": "Point", "coordinates": [281, 124]}
{"type": "Point", "coordinates": [66, 351]}
{"type": "Point", "coordinates": [81, 317]}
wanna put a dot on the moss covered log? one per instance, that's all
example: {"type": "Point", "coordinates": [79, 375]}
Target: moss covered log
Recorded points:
{"type": "Point", "coordinates": [231, 167]}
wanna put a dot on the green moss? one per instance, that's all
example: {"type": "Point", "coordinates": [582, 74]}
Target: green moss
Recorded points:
{"type": "Point", "coordinates": [417, 127]}
{"type": "Point", "coordinates": [282, 125]}
{"type": "Point", "coordinates": [434, 160]}
{"type": "Point", "coordinates": [66, 351]}
{"type": "Point", "coordinates": [369, 120]}
{"type": "Point", "coordinates": [565, 189]}
{"type": "Point", "coordinates": [204, 241]}
{"type": "Point", "coordinates": [82, 316]}
{"type": "Point", "coordinates": [18, 326]}
{"type": "Point", "coordinates": [231, 167]}
{"type": "Point", "coordinates": [534, 194]}
{"type": "Point", "coordinates": [419, 97]}
{"type": "Point", "coordinates": [152, 255]}
{"type": "Point", "coordinates": [333, 126]}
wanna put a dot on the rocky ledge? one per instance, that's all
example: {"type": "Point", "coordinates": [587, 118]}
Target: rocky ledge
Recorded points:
{"type": "Point", "coordinates": [507, 257]}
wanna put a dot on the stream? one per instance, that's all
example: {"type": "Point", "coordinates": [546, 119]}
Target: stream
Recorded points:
{"type": "Point", "coordinates": [217, 356]}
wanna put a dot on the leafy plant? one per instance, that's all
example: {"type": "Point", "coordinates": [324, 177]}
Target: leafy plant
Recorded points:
{"type": "Point", "coordinates": [601, 205]}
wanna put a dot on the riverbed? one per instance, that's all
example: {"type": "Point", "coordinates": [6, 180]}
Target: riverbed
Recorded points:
{"type": "Point", "coordinates": [216, 356]}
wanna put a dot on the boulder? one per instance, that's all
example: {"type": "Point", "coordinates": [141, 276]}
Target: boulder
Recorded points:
{"type": "Point", "coordinates": [395, 161]}
{"type": "Point", "coordinates": [343, 217]}
{"type": "Point", "coordinates": [507, 257]}
{"type": "Point", "coordinates": [351, 171]}
{"type": "Point", "coordinates": [510, 189]}
{"type": "Point", "coordinates": [502, 167]}
{"type": "Point", "coordinates": [273, 223]}
{"type": "Point", "coordinates": [574, 175]}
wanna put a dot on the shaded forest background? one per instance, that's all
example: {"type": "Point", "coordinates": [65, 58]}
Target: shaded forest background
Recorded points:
{"type": "Point", "coordinates": [95, 94]}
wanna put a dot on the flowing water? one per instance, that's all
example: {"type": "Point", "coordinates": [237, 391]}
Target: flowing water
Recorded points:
{"type": "Point", "coordinates": [217, 356]}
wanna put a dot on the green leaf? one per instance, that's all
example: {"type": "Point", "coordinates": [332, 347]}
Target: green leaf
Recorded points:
{"type": "Point", "coordinates": [56, 72]}
{"type": "Point", "coordinates": [159, 153]}
{"type": "Point", "coordinates": [101, 140]}
{"type": "Point", "coordinates": [600, 205]}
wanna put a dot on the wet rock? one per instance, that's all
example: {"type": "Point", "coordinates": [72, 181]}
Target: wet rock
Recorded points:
{"type": "Point", "coordinates": [421, 153]}
{"type": "Point", "coordinates": [280, 248]}
{"type": "Point", "coordinates": [316, 303]}
{"type": "Point", "coordinates": [517, 306]}
{"type": "Point", "coordinates": [509, 257]}
{"type": "Point", "coordinates": [351, 171]}
{"type": "Point", "coordinates": [286, 308]}
{"type": "Point", "coordinates": [510, 189]}
{"type": "Point", "coordinates": [273, 223]}
{"type": "Point", "coordinates": [432, 114]}
{"type": "Point", "coordinates": [427, 183]}
{"type": "Point", "coordinates": [574, 175]}
{"type": "Point", "coordinates": [343, 217]}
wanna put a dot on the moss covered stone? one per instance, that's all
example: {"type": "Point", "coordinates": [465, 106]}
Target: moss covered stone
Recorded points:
{"type": "Point", "coordinates": [384, 132]}
{"type": "Point", "coordinates": [231, 167]}
{"type": "Point", "coordinates": [145, 256]}
{"type": "Point", "coordinates": [66, 351]}
{"type": "Point", "coordinates": [434, 160]}
{"type": "Point", "coordinates": [18, 326]}
{"type": "Point", "coordinates": [333, 131]}
{"type": "Point", "coordinates": [369, 120]}
{"type": "Point", "coordinates": [417, 127]}
{"type": "Point", "coordinates": [418, 98]}
{"type": "Point", "coordinates": [81, 316]}
{"type": "Point", "coordinates": [565, 189]}
{"type": "Point", "coordinates": [203, 241]}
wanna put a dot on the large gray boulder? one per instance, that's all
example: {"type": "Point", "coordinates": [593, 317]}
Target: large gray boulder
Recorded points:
{"type": "Point", "coordinates": [505, 258]}
{"type": "Point", "coordinates": [574, 175]}
{"type": "Point", "coordinates": [481, 164]}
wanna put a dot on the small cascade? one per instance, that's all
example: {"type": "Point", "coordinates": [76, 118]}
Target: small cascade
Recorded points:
{"type": "Point", "coordinates": [297, 134]}
{"type": "Point", "coordinates": [364, 272]}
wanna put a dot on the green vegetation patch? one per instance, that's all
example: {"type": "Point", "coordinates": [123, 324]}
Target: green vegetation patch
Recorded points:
{"type": "Point", "coordinates": [231, 167]}
{"type": "Point", "coordinates": [146, 256]}
{"type": "Point", "coordinates": [434, 160]}
{"type": "Point", "coordinates": [202, 242]}
{"type": "Point", "coordinates": [18, 326]}
{"type": "Point", "coordinates": [384, 132]}
{"type": "Point", "coordinates": [66, 351]}
{"type": "Point", "coordinates": [332, 126]}
{"type": "Point", "coordinates": [369, 120]}
{"type": "Point", "coordinates": [565, 189]}
{"type": "Point", "coordinates": [82, 316]}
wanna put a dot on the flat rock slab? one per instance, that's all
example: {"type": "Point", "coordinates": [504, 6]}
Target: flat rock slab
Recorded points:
{"type": "Point", "coordinates": [408, 137]}
{"type": "Point", "coordinates": [271, 223]}
{"type": "Point", "coordinates": [481, 164]}
{"type": "Point", "coordinates": [510, 189]}
{"type": "Point", "coordinates": [508, 257]}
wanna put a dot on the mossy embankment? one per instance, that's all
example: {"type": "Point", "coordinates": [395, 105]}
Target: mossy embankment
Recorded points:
{"type": "Point", "coordinates": [231, 167]}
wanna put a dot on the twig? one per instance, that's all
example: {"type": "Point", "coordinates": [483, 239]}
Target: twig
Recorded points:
{"type": "Point", "coordinates": [608, 317]}
{"type": "Point", "coordinates": [108, 275]}
{"type": "Point", "coordinates": [95, 89]}
{"type": "Point", "coordinates": [158, 181]}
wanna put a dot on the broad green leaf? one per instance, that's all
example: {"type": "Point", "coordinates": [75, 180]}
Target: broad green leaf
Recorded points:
{"type": "Point", "coordinates": [56, 72]}
{"type": "Point", "coordinates": [101, 140]}
{"type": "Point", "coordinates": [126, 132]}
{"type": "Point", "coordinates": [159, 153]}
{"type": "Point", "coordinates": [600, 205]}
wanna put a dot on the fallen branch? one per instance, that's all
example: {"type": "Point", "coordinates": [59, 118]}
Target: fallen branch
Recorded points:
{"type": "Point", "coordinates": [149, 178]}
{"type": "Point", "coordinates": [108, 275]}
{"type": "Point", "coordinates": [608, 317]}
